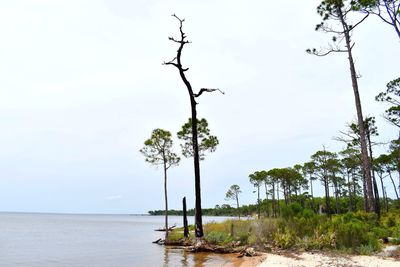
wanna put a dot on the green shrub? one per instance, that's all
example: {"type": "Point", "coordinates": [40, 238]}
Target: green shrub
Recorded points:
{"type": "Point", "coordinates": [367, 217]}
{"type": "Point", "coordinates": [391, 221]}
{"type": "Point", "coordinates": [380, 232]}
{"type": "Point", "coordinates": [242, 237]}
{"type": "Point", "coordinates": [395, 231]}
{"type": "Point", "coordinates": [218, 238]}
{"type": "Point", "coordinates": [308, 214]}
{"type": "Point", "coordinates": [175, 235]}
{"type": "Point", "coordinates": [351, 234]}
{"type": "Point", "coordinates": [267, 228]}
{"type": "Point", "coordinates": [291, 210]}
{"type": "Point", "coordinates": [284, 240]}
{"type": "Point", "coordinates": [365, 249]}
{"type": "Point", "coordinates": [252, 239]}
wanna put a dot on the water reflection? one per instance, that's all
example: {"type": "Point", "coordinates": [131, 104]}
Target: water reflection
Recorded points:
{"type": "Point", "coordinates": [179, 257]}
{"type": "Point", "coordinates": [185, 260]}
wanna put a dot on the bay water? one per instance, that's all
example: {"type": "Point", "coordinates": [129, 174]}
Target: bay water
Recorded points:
{"type": "Point", "coordinates": [78, 240]}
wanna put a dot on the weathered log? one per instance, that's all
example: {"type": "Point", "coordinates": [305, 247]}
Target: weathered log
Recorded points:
{"type": "Point", "coordinates": [159, 241]}
{"type": "Point", "coordinates": [215, 249]}
{"type": "Point", "coordinates": [163, 229]}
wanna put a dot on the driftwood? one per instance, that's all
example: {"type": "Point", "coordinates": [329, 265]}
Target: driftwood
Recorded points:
{"type": "Point", "coordinates": [177, 243]}
{"type": "Point", "coordinates": [215, 249]}
{"type": "Point", "coordinates": [203, 246]}
{"type": "Point", "coordinates": [158, 241]}
{"type": "Point", "coordinates": [163, 229]}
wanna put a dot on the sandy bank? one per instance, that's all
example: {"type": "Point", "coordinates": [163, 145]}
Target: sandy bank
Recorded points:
{"type": "Point", "coordinates": [307, 259]}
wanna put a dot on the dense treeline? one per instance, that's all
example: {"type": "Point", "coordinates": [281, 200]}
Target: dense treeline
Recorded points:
{"type": "Point", "coordinates": [265, 207]}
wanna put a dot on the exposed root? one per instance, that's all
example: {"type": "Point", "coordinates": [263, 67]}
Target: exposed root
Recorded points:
{"type": "Point", "coordinates": [200, 245]}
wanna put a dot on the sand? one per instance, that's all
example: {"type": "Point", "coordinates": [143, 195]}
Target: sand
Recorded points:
{"type": "Point", "coordinates": [308, 259]}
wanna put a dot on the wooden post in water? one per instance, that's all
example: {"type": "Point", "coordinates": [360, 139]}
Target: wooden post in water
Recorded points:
{"type": "Point", "coordinates": [185, 222]}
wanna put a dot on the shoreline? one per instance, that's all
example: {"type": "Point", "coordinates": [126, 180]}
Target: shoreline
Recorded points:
{"type": "Point", "coordinates": [318, 259]}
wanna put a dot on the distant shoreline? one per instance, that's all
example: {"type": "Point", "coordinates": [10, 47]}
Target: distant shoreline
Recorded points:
{"type": "Point", "coordinates": [99, 214]}
{"type": "Point", "coordinates": [70, 213]}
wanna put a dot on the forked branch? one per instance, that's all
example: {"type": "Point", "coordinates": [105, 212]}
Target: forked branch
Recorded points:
{"type": "Point", "coordinates": [209, 90]}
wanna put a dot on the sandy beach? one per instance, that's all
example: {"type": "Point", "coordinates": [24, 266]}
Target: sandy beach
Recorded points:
{"type": "Point", "coordinates": [308, 259]}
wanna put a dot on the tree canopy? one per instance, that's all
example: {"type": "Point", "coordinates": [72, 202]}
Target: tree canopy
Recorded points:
{"type": "Point", "coordinates": [207, 142]}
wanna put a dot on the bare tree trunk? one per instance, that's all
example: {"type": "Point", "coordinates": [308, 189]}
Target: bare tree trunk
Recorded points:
{"type": "Point", "coordinates": [198, 211]}
{"type": "Point", "coordinates": [336, 195]}
{"type": "Point", "coordinates": [387, 205]}
{"type": "Point", "coordinates": [365, 193]}
{"type": "Point", "coordinates": [377, 204]}
{"type": "Point", "coordinates": [364, 152]}
{"type": "Point", "coordinates": [237, 205]}
{"type": "Point", "coordinates": [277, 194]}
{"type": "Point", "coordinates": [327, 199]}
{"type": "Point", "coordinates": [397, 155]}
{"type": "Point", "coordinates": [258, 201]}
{"type": "Point", "coordinates": [273, 200]}
{"type": "Point", "coordinates": [354, 192]}
{"type": "Point", "coordinates": [285, 194]}
{"type": "Point", "coordinates": [394, 185]}
{"type": "Point", "coordinates": [350, 194]}
{"type": "Point", "coordinates": [166, 199]}
{"type": "Point", "coordinates": [266, 197]}
{"type": "Point", "coordinates": [196, 160]}
{"type": "Point", "coordinates": [383, 192]}
{"type": "Point", "coordinates": [312, 194]}
{"type": "Point", "coordinates": [185, 221]}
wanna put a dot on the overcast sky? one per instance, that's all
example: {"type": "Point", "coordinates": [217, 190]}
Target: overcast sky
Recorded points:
{"type": "Point", "coordinates": [82, 86]}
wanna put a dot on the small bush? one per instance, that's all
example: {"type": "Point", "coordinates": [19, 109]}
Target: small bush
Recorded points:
{"type": "Point", "coordinates": [243, 238]}
{"type": "Point", "coordinates": [252, 239]}
{"type": "Point", "coordinates": [284, 240]}
{"type": "Point", "coordinates": [175, 235]}
{"type": "Point", "coordinates": [218, 238]}
{"type": "Point", "coordinates": [365, 249]}
{"type": "Point", "coordinates": [351, 234]}
{"type": "Point", "coordinates": [291, 210]}
{"type": "Point", "coordinates": [380, 232]}
{"type": "Point", "coordinates": [267, 228]}
{"type": "Point", "coordinates": [390, 222]}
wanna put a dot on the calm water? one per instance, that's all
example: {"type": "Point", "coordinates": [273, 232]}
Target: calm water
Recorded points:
{"type": "Point", "coordinates": [92, 240]}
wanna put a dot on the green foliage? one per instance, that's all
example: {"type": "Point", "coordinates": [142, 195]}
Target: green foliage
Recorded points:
{"type": "Point", "coordinates": [391, 221]}
{"type": "Point", "coordinates": [233, 192]}
{"type": "Point", "coordinates": [206, 141]}
{"type": "Point", "coordinates": [351, 232]}
{"type": "Point", "coordinates": [354, 230]}
{"type": "Point", "coordinates": [257, 178]}
{"type": "Point", "coordinates": [176, 235]}
{"type": "Point", "coordinates": [158, 149]}
{"type": "Point", "coordinates": [284, 240]}
{"type": "Point", "coordinates": [218, 238]}
{"type": "Point", "coordinates": [291, 210]}
{"type": "Point", "coordinates": [392, 97]}
{"type": "Point", "coordinates": [366, 249]}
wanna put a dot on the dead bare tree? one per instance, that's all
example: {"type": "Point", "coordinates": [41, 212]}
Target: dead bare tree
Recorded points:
{"type": "Point", "coordinates": [177, 62]}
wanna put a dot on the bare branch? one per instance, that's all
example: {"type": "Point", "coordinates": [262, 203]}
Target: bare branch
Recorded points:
{"type": "Point", "coordinates": [178, 41]}
{"type": "Point", "coordinates": [329, 29]}
{"type": "Point", "coordinates": [321, 53]}
{"type": "Point", "coordinates": [177, 60]}
{"type": "Point", "coordinates": [358, 23]}
{"type": "Point", "coordinates": [202, 90]}
{"type": "Point", "coordinates": [171, 62]}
